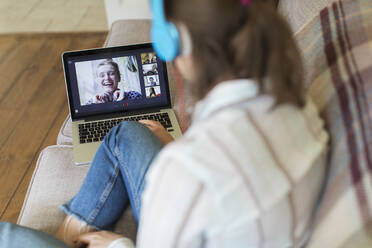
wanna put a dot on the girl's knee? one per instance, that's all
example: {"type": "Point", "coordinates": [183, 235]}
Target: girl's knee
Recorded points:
{"type": "Point", "coordinates": [130, 125]}
{"type": "Point", "coordinates": [127, 131]}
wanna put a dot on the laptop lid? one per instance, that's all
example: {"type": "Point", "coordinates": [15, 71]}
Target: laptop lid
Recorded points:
{"type": "Point", "coordinates": [105, 82]}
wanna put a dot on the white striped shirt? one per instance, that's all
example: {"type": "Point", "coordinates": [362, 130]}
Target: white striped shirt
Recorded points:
{"type": "Point", "coordinates": [244, 174]}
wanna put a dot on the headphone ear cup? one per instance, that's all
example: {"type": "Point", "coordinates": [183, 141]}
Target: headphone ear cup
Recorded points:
{"type": "Point", "coordinates": [166, 40]}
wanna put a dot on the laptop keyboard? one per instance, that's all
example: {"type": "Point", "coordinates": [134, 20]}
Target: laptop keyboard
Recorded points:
{"type": "Point", "coordinates": [96, 131]}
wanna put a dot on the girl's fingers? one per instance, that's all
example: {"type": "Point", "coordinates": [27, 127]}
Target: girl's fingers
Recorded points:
{"type": "Point", "coordinates": [149, 123]}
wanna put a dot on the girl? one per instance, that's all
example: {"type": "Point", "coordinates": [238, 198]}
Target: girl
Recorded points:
{"type": "Point", "coordinates": [249, 170]}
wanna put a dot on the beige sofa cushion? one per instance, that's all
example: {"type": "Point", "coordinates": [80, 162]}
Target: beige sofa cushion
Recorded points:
{"type": "Point", "coordinates": [65, 133]}
{"type": "Point", "coordinates": [55, 181]}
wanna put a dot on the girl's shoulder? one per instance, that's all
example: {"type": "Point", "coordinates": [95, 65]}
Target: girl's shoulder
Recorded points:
{"type": "Point", "coordinates": [252, 137]}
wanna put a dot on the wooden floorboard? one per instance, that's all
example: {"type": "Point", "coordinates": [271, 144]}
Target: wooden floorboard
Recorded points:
{"type": "Point", "coordinates": [12, 211]}
{"type": "Point", "coordinates": [33, 106]}
{"type": "Point", "coordinates": [8, 43]}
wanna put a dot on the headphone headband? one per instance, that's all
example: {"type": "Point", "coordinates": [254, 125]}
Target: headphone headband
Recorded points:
{"type": "Point", "coordinates": [157, 7]}
{"type": "Point", "coordinates": [164, 34]}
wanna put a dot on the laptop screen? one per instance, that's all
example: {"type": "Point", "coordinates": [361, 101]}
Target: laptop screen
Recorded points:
{"type": "Point", "coordinates": [115, 80]}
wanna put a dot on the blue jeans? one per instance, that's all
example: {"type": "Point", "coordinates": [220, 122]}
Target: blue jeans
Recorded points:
{"type": "Point", "coordinates": [115, 179]}
{"type": "Point", "coordinates": [116, 176]}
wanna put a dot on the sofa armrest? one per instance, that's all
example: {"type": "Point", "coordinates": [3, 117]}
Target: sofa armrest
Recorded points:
{"type": "Point", "coordinates": [128, 32]}
{"type": "Point", "coordinates": [65, 133]}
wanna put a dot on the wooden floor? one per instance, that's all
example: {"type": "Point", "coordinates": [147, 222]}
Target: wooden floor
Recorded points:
{"type": "Point", "coordinates": [33, 105]}
{"type": "Point", "coordinates": [52, 16]}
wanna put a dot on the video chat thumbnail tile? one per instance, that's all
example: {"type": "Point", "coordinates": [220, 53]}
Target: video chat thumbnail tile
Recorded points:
{"type": "Point", "coordinates": [152, 80]}
{"type": "Point", "coordinates": [148, 58]}
{"type": "Point", "coordinates": [150, 69]}
{"type": "Point", "coordinates": [153, 91]}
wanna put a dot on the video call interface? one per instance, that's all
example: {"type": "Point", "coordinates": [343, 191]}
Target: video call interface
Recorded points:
{"type": "Point", "coordinates": [115, 83]}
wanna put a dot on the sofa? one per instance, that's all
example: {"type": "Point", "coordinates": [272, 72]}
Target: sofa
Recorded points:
{"type": "Point", "coordinates": [343, 217]}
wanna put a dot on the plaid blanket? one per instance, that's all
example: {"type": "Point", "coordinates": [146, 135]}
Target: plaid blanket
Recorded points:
{"type": "Point", "coordinates": [337, 51]}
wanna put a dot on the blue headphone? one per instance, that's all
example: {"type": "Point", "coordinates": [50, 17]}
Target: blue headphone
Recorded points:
{"type": "Point", "coordinates": [164, 34]}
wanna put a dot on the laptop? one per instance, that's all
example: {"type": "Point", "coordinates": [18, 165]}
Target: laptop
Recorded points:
{"type": "Point", "coordinates": [108, 85]}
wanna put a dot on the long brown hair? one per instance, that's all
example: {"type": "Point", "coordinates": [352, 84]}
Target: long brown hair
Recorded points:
{"type": "Point", "coordinates": [235, 41]}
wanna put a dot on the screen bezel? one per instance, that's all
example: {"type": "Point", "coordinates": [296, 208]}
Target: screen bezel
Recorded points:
{"type": "Point", "coordinates": [66, 56]}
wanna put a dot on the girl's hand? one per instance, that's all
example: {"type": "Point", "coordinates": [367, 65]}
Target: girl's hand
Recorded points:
{"type": "Point", "coordinates": [158, 130]}
{"type": "Point", "coordinates": [106, 97]}
{"type": "Point", "coordinates": [118, 95]}
{"type": "Point", "coordinates": [97, 239]}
